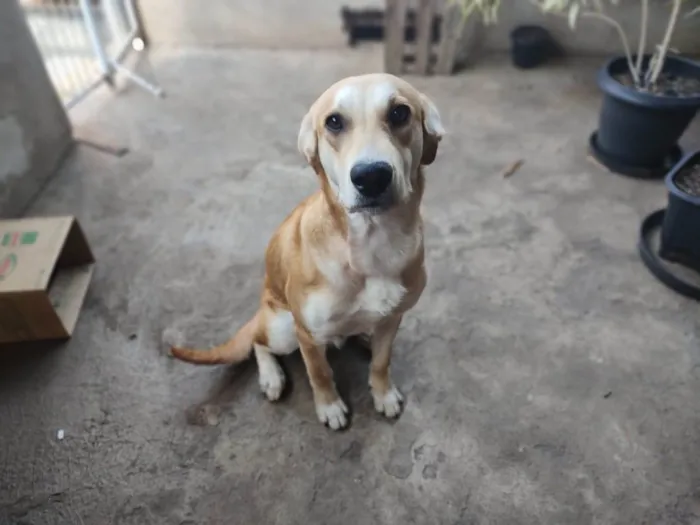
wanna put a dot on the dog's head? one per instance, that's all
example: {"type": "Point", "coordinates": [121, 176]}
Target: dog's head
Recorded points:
{"type": "Point", "coordinates": [368, 136]}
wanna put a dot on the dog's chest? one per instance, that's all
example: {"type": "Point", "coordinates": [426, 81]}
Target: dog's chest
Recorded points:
{"type": "Point", "coordinates": [332, 312]}
{"type": "Point", "coordinates": [364, 286]}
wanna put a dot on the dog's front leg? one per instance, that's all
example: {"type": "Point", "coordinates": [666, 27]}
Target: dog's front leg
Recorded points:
{"type": "Point", "coordinates": [330, 408]}
{"type": "Point", "coordinates": [387, 398]}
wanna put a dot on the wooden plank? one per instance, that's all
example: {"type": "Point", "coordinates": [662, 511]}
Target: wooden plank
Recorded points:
{"type": "Point", "coordinates": [424, 35]}
{"type": "Point", "coordinates": [394, 27]}
{"type": "Point", "coordinates": [452, 27]}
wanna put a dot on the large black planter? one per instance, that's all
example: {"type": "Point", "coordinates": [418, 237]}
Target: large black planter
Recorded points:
{"type": "Point", "coordinates": [680, 234]}
{"type": "Point", "coordinates": [638, 132]}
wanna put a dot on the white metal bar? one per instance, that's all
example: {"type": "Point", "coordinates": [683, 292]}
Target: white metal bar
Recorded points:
{"type": "Point", "coordinates": [139, 80]}
{"type": "Point", "coordinates": [69, 35]}
{"type": "Point", "coordinates": [115, 19]}
{"type": "Point", "coordinates": [124, 48]}
{"type": "Point", "coordinates": [131, 14]}
{"type": "Point", "coordinates": [84, 93]}
{"type": "Point", "coordinates": [94, 36]}
{"type": "Point", "coordinates": [116, 62]}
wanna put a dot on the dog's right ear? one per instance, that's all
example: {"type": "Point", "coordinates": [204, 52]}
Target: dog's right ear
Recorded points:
{"type": "Point", "coordinates": [307, 141]}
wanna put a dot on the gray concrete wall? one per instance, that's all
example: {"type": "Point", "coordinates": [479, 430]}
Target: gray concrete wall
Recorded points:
{"type": "Point", "coordinates": [34, 130]}
{"type": "Point", "coordinates": [593, 37]}
{"type": "Point", "coordinates": [247, 23]}
{"type": "Point", "coordinates": [316, 23]}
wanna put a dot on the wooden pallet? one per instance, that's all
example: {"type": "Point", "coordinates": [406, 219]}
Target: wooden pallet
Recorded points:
{"type": "Point", "coordinates": [422, 56]}
{"type": "Point", "coordinates": [367, 24]}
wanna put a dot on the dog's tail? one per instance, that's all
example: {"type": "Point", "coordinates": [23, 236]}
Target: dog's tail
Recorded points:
{"type": "Point", "coordinates": [237, 349]}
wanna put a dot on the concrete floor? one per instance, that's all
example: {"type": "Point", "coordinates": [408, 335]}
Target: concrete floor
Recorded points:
{"type": "Point", "coordinates": [549, 378]}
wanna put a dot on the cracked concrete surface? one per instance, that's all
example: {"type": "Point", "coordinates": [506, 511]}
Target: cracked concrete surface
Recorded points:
{"type": "Point", "coordinates": [549, 378]}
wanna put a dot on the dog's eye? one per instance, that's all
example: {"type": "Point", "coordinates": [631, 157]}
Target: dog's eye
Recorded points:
{"type": "Point", "coordinates": [399, 115]}
{"type": "Point", "coordinates": [334, 123]}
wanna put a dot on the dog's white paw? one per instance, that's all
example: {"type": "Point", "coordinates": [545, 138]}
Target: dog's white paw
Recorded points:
{"type": "Point", "coordinates": [272, 380]}
{"type": "Point", "coordinates": [390, 403]}
{"type": "Point", "coordinates": [333, 414]}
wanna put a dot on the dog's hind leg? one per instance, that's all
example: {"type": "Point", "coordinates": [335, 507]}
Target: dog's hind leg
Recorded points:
{"type": "Point", "coordinates": [277, 335]}
{"type": "Point", "coordinates": [270, 373]}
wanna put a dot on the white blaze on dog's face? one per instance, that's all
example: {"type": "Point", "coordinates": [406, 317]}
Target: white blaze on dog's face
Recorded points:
{"type": "Point", "coordinates": [371, 134]}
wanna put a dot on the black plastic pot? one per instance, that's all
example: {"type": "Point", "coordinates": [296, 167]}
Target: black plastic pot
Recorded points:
{"type": "Point", "coordinates": [639, 131]}
{"type": "Point", "coordinates": [530, 46]}
{"type": "Point", "coordinates": [680, 233]}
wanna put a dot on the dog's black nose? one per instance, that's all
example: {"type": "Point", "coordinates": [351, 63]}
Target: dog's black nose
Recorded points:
{"type": "Point", "coordinates": [371, 178]}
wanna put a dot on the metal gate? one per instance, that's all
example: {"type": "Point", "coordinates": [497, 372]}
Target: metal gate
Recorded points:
{"type": "Point", "coordinates": [84, 42]}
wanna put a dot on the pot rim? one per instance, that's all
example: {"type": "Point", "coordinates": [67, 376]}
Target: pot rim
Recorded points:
{"type": "Point", "coordinates": [692, 157]}
{"type": "Point", "coordinates": [529, 30]}
{"type": "Point", "coordinates": [613, 88]}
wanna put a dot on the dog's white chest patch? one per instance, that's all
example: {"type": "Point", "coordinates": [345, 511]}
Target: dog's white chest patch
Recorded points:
{"type": "Point", "coordinates": [380, 296]}
{"type": "Point", "coordinates": [329, 314]}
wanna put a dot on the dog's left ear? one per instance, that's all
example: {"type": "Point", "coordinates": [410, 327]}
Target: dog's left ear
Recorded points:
{"type": "Point", "coordinates": [432, 130]}
{"type": "Point", "coordinates": [307, 141]}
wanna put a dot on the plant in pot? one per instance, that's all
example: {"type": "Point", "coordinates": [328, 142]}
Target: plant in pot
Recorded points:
{"type": "Point", "coordinates": [649, 98]}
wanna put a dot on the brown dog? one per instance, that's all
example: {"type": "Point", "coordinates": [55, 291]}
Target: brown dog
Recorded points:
{"type": "Point", "coordinates": [349, 259]}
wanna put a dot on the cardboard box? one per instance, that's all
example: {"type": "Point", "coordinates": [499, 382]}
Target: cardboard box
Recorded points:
{"type": "Point", "coordinates": [46, 266]}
